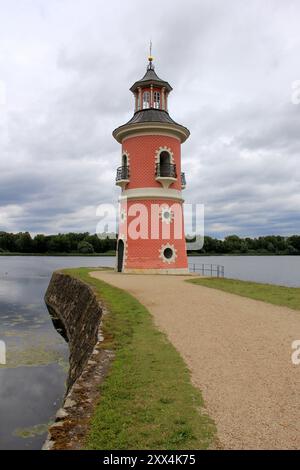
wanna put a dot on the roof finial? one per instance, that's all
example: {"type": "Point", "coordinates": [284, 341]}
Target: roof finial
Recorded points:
{"type": "Point", "coordinates": [150, 58]}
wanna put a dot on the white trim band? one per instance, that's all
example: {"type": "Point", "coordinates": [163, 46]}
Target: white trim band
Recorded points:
{"type": "Point", "coordinates": [151, 193]}
{"type": "Point", "coordinates": [120, 133]}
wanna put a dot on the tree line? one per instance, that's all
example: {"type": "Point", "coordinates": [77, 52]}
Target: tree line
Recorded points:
{"type": "Point", "coordinates": [271, 244]}
{"type": "Point", "coordinates": [85, 243]}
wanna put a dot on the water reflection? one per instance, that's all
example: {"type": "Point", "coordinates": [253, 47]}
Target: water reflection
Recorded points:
{"type": "Point", "coordinates": [32, 383]}
{"type": "Point", "coordinates": [28, 397]}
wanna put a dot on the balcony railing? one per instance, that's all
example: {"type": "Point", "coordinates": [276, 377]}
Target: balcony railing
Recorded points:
{"type": "Point", "coordinates": [183, 180]}
{"type": "Point", "coordinates": [122, 173]}
{"type": "Point", "coordinates": [166, 170]}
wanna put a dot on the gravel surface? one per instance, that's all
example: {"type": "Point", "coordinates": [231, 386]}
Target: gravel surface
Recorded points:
{"type": "Point", "coordinates": [238, 351]}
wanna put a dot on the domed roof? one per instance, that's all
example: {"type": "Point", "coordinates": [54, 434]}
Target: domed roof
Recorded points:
{"type": "Point", "coordinates": [157, 119]}
{"type": "Point", "coordinates": [151, 115]}
{"type": "Point", "coordinates": [151, 78]}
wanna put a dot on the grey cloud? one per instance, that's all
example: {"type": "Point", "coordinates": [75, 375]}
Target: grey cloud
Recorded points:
{"type": "Point", "coordinates": [231, 66]}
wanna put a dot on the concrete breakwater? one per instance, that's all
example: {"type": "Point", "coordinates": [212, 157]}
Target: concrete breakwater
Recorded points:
{"type": "Point", "coordinates": [76, 313]}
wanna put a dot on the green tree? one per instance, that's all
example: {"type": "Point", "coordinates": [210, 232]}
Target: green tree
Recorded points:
{"type": "Point", "coordinates": [8, 241]}
{"type": "Point", "coordinates": [294, 241]}
{"type": "Point", "coordinates": [24, 242]}
{"type": "Point", "coordinates": [244, 247]}
{"type": "Point", "coordinates": [95, 242]}
{"type": "Point", "coordinates": [291, 250]}
{"type": "Point", "coordinates": [210, 245]}
{"type": "Point", "coordinates": [40, 244]}
{"type": "Point", "coordinates": [85, 247]}
{"type": "Point", "coordinates": [232, 243]}
{"type": "Point", "coordinates": [59, 243]}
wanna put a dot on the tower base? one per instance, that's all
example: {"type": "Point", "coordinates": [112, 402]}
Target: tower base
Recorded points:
{"type": "Point", "coordinates": [157, 271]}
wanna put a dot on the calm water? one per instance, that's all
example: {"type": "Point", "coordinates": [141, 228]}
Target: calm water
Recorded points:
{"type": "Point", "coordinates": [281, 270]}
{"type": "Point", "coordinates": [33, 381]}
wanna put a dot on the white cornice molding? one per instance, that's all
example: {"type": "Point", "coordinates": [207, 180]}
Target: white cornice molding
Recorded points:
{"type": "Point", "coordinates": [174, 129]}
{"type": "Point", "coordinates": [152, 193]}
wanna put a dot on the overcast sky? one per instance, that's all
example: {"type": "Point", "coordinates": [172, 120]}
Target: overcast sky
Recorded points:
{"type": "Point", "coordinates": [65, 70]}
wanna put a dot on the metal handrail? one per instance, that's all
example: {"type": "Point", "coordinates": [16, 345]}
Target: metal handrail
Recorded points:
{"type": "Point", "coordinates": [166, 170]}
{"type": "Point", "coordinates": [122, 173]}
{"type": "Point", "coordinates": [183, 180]}
{"type": "Point", "coordinates": [213, 270]}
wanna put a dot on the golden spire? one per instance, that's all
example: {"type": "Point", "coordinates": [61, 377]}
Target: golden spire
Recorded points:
{"type": "Point", "coordinates": [150, 57]}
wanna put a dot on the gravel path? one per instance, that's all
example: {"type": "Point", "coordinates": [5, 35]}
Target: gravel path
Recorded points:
{"type": "Point", "coordinates": [239, 354]}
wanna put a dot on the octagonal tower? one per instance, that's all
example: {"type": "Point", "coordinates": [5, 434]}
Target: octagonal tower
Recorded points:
{"type": "Point", "coordinates": [151, 226]}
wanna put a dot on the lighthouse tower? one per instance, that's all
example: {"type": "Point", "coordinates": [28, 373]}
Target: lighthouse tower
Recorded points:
{"type": "Point", "coordinates": [151, 226]}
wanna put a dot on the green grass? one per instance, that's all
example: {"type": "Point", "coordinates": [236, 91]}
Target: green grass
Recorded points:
{"type": "Point", "coordinates": [277, 295]}
{"type": "Point", "coordinates": [147, 401]}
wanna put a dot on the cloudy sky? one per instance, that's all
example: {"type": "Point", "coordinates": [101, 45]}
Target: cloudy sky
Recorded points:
{"type": "Point", "coordinates": [65, 70]}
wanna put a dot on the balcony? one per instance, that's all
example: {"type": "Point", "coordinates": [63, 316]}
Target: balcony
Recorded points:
{"type": "Point", "coordinates": [165, 174]}
{"type": "Point", "coordinates": [122, 177]}
{"type": "Point", "coordinates": [183, 181]}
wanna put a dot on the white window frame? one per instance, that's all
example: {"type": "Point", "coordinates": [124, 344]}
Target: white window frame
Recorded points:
{"type": "Point", "coordinates": [146, 99]}
{"type": "Point", "coordinates": [156, 100]}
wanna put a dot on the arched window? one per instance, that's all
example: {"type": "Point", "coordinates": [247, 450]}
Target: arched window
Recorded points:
{"type": "Point", "coordinates": [146, 99]}
{"type": "Point", "coordinates": [124, 160]}
{"type": "Point", "coordinates": [137, 101]}
{"type": "Point", "coordinates": [120, 252]}
{"type": "Point", "coordinates": [156, 99]}
{"type": "Point", "coordinates": [164, 163]}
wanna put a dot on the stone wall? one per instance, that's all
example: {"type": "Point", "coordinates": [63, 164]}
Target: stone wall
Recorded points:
{"type": "Point", "coordinates": [76, 314]}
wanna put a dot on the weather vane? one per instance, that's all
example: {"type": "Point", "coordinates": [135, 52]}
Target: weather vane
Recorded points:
{"type": "Point", "coordinates": [150, 58]}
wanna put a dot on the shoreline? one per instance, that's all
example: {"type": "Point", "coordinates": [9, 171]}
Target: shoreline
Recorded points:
{"type": "Point", "coordinates": [95, 255]}
{"type": "Point", "coordinates": [49, 255]}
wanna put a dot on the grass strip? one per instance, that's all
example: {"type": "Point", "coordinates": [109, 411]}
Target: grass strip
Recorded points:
{"type": "Point", "coordinates": [147, 401]}
{"type": "Point", "coordinates": [273, 294]}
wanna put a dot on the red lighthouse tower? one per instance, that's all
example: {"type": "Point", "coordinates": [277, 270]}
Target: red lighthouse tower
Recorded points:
{"type": "Point", "coordinates": [151, 226]}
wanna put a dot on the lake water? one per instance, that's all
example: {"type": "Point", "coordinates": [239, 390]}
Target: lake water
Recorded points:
{"type": "Point", "coordinates": [32, 383]}
{"type": "Point", "coordinates": [281, 270]}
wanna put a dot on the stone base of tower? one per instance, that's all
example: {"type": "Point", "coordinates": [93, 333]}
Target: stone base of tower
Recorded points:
{"type": "Point", "coordinates": [157, 271]}
{"type": "Point", "coordinates": [148, 256]}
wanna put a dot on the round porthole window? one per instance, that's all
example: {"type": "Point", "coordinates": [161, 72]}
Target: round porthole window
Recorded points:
{"type": "Point", "coordinates": [166, 214]}
{"type": "Point", "coordinates": [168, 253]}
